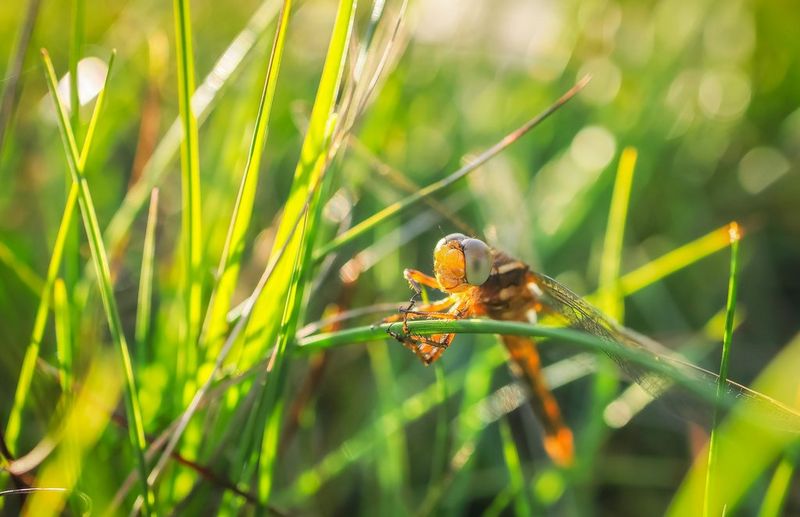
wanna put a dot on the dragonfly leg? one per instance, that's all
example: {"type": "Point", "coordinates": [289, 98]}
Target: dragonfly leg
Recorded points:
{"type": "Point", "coordinates": [416, 278]}
{"type": "Point", "coordinates": [430, 348]}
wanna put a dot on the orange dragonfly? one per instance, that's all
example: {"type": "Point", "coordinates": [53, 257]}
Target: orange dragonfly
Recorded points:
{"type": "Point", "coordinates": [481, 281]}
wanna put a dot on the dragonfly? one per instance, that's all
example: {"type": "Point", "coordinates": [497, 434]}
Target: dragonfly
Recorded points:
{"type": "Point", "coordinates": [480, 281]}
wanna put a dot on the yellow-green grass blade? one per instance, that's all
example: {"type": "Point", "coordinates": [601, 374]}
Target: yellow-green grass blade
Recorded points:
{"type": "Point", "coordinates": [675, 260]}
{"type": "Point", "coordinates": [82, 427]}
{"type": "Point", "coordinates": [191, 231]}
{"type": "Point", "coordinates": [63, 336]}
{"type": "Point", "coordinates": [72, 257]}
{"type": "Point", "coordinates": [314, 161]}
{"type": "Point", "coordinates": [26, 275]}
{"type": "Point", "coordinates": [411, 200]}
{"type": "Point", "coordinates": [611, 301]}
{"type": "Point", "coordinates": [712, 504]}
{"type": "Point", "coordinates": [310, 168]}
{"type": "Point", "coordinates": [744, 465]}
{"type": "Point", "coordinates": [216, 323]}
{"type": "Point", "coordinates": [779, 485]}
{"type": "Point", "coordinates": [272, 403]}
{"type": "Point", "coordinates": [43, 309]}
{"type": "Point", "coordinates": [144, 305]}
{"type": "Point", "coordinates": [605, 382]}
{"type": "Point", "coordinates": [102, 270]}
{"type": "Point", "coordinates": [39, 322]}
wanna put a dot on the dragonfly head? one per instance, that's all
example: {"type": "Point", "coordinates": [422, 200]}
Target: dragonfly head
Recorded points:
{"type": "Point", "coordinates": [460, 262]}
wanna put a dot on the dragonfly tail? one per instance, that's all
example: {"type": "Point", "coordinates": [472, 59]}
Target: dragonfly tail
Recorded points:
{"type": "Point", "coordinates": [558, 440]}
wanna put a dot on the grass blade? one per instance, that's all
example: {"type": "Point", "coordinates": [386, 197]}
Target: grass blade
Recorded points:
{"type": "Point", "coordinates": [711, 502]}
{"type": "Point", "coordinates": [191, 231]}
{"type": "Point", "coordinates": [216, 323]}
{"type": "Point", "coordinates": [43, 309]}
{"type": "Point", "coordinates": [145, 295]}
{"type": "Point", "coordinates": [675, 260]}
{"type": "Point", "coordinates": [610, 262]}
{"type": "Point", "coordinates": [24, 273]}
{"type": "Point", "coordinates": [100, 259]}
{"type": "Point", "coordinates": [309, 171]}
{"type": "Point", "coordinates": [64, 344]}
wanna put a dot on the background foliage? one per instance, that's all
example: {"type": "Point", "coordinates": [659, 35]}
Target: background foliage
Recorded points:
{"type": "Point", "coordinates": [705, 91]}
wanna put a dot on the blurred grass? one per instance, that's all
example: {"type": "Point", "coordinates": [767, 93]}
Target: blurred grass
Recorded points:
{"type": "Point", "coordinates": [705, 92]}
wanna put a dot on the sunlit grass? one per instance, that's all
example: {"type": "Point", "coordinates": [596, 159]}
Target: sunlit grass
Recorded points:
{"type": "Point", "coordinates": [308, 132]}
{"type": "Point", "coordinates": [75, 163]}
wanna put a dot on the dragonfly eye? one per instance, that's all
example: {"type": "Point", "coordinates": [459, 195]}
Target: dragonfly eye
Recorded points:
{"type": "Point", "coordinates": [478, 261]}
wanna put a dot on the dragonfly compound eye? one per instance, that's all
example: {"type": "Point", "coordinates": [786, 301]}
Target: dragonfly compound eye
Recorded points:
{"type": "Point", "coordinates": [478, 261]}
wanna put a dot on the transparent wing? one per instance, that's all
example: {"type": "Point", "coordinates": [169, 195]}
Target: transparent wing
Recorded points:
{"type": "Point", "coordinates": [579, 314]}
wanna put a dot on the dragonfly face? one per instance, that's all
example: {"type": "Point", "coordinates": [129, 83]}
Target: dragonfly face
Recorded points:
{"type": "Point", "coordinates": [460, 262]}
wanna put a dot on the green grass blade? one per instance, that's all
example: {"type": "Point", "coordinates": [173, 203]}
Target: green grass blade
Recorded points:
{"type": "Point", "coordinates": [100, 259]}
{"type": "Point", "coordinates": [191, 231]}
{"type": "Point", "coordinates": [610, 261]}
{"type": "Point", "coordinates": [389, 456]}
{"type": "Point", "coordinates": [711, 503]}
{"type": "Point", "coordinates": [741, 467]}
{"type": "Point", "coordinates": [308, 173]}
{"type": "Point", "coordinates": [40, 321]}
{"type": "Point", "coordinates": [314, 160]}
{"type": "Point", "coordinates": [216, 323]}
{"type": "Point", "coordinates": [43, 309]}
{"type": "Point", "coordinates": [26, 275]}
{"type": "Point", "coordinates": [82, 426]}
{"type": "Point", "coordinates": [63, 335]}
{"type": "Point", "coordinates": [517, 483]}
{"type": "Point", "coordinates": [651, 362]}
{"type": "Point", "coordinates": [409, 201]}
{"type": "Point", "coordinates": [778, 489]}
{"type": "Point", "coordinates": [145, 295]}
{"type": "Point", "coordinates": [605, 382]}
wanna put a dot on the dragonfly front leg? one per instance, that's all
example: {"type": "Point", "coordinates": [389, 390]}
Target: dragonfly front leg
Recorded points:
{"type": "Point", "coordinates": [429, 348]}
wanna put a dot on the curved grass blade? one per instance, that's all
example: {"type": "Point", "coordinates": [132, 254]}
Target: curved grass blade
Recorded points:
{"type": "Point", "coordinates": [693, 378]}
{"type": "Point", "coordinates": [100, 259]}
{"type": "Point", "coordinates": [395, 208]}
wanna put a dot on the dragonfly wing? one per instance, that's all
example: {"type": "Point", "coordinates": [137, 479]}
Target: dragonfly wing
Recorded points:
{"type": "Point", "coordinates": [525, 363]}
{"type": "Point", "coordinates": [579, 314]}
